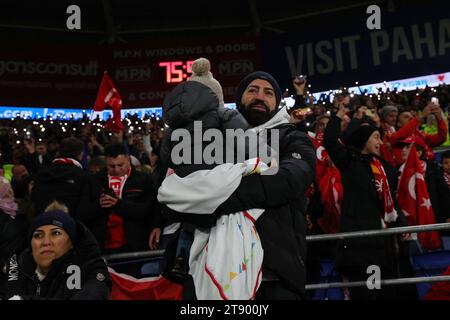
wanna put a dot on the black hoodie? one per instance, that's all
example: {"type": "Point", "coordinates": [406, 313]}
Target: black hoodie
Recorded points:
{"type": "Point", "coordinates": [83, 260]}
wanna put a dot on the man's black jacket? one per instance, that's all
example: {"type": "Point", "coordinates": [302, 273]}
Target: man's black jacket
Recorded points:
{"type": "Point", "coordinates": [137, 208]}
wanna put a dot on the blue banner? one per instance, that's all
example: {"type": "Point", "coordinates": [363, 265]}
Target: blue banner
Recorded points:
{"type": "Point", "coordinates": [411, 42]}
{"type": "Point", "coordinates": [10, 112]}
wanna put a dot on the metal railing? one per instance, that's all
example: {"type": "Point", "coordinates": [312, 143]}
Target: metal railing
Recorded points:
{"type": "Point", "coordinates": [382, 282]}
{"type": "Point", "coordinates": [328, 237]}
{"type": "Point", "coordinates": [321, 237]}
{"type": "Point", "coordinates": [368, 233]}
{"type": "Point", "coordinates": [134, 255]}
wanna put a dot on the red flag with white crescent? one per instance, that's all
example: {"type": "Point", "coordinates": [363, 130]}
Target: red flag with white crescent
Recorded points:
{"type": "Point", "coordinates": [331, 193]}
{"type": "Point", "coordinates": [329, 182]}
{"type": "Point", "coordinates": [414, 200]}
{"type": "Point", "coordinates": [125, 287]}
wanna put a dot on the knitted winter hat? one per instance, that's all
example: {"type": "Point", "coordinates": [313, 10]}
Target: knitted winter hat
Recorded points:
{"type": "Point", "coordinates": [253, 76]}
{"type": "Point", "coordinates": [359, 137]}
{"type": "Point", "coordinates": [386, 109]}
{"type": "Point", "coordinates": [201, 72]}
{"type": "Point", "coordinates": [57, 218]}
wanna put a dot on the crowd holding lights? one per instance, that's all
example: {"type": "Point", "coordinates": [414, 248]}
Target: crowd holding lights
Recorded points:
{"type": "Point", "coordinates": [39, 127]}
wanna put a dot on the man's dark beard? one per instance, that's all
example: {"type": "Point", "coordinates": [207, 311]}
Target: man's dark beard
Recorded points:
{"type": "Point", "coordinates": [256, 117]}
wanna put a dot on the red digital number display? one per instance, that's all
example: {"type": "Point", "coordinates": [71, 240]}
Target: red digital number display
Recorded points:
{"type": "Point", "coordinates": [177, 71]}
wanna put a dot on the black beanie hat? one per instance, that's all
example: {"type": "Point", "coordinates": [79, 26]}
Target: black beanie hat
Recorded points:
{"type": "Point", "coordinates": [253, 76]}
{"type": "Point", "coordinates": [359, 137]}
{"type": "Point", "coordinates": [57, 218]}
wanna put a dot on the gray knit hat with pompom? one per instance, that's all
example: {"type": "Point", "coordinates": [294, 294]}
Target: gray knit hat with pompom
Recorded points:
{"type": "Point", "coordinates": [201, 72]}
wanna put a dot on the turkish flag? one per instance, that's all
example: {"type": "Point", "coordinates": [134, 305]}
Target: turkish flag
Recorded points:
{"type": "Point", "coordinates": [414, 200]}
{"type": "Point", "coordinates": [109, 96]}
{"type": "Point", "coordinates": [331, 193]}
{"type": "Point", "coordinates": [125, 287]}
{"type": "Point", "coordinates": [440, 290]}
{"type": "Point", "coordinates": [330, 186]}
{"type": "Point", "coordinates": [322, 157]}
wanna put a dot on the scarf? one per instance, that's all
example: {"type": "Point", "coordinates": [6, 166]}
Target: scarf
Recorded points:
{"type": "Point", "coordinates": [117, 183]}
{"type": "Point", "coordinates": [7, 202]}
{"type": "Point", "coordinates": [384, 193]}
{"type": "Point", "coordinates": [115, 226]}
{"type": "Point", "coordinates": [69, 161]}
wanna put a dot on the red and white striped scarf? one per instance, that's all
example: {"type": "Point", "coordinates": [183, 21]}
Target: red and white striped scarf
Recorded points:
{"type": "Point", "coordinates": [383, 191]}
{"type": "Point", "coordinates": [117, 183]}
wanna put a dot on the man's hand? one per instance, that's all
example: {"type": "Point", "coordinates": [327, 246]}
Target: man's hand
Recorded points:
{"type": "Point", "coordinates": [360, 113]}
{"type": "Point", "coordinates": [406, 237]}
{"type": "Point", "coordinates": [343, 110]}
{"type": "Point", "coordinates": [437, 111]}
{"type": "Point", "coordinates": [299, 87]}
{"type": "Point", "coordinates": [153, 241]}
{"type": "Point", "coordinates": [106, 201]}
{"type": "Point", "coordinates": [299, 115]}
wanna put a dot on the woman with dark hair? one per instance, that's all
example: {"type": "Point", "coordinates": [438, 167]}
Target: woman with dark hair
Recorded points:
{"type": "Point", "coordinates": [62, 261]}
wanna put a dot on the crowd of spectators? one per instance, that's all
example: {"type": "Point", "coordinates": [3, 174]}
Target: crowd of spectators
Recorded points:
{"type": "Point", "coordinates": [28, 145]}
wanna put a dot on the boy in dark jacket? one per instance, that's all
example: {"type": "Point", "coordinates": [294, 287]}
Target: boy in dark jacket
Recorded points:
{"type": "Point", "coordinates": [368, 204]}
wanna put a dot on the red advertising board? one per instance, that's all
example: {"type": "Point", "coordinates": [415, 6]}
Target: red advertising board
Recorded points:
{"type": "Point", "coordinates": [68, 76]}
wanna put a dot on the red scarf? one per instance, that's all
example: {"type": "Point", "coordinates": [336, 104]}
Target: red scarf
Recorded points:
{"type": "Point", "coordinates": [383, 191]}
{"type": "Point", "coordinates": [115, 231]}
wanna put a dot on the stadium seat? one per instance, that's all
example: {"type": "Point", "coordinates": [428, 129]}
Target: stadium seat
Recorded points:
{"type": "Point", "coordinates": [445, 242]}
{"type": "Point", "coordinates": [328, 274]}
{"type": "Point", "coordinates": [428, 264]}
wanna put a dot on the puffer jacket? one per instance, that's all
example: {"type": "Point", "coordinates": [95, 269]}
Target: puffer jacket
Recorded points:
{"type": "Point", "coordinates": [190, 102]}
{"type": "Point", "coordinates": [61, 282]}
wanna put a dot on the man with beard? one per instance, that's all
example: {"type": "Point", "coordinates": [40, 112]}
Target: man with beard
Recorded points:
{"type": "Point", "coordinates": [282, 226]}
{"type": "Point", "coordinates": [260, 98]}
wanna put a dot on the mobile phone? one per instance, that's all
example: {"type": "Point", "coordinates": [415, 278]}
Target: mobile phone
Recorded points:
{"type": "Point", "coordinates": [300, 79]}
{"type": "Point", "coordinates": [370, 113]}
{"type": "Point", "coordinates": [109, 192]}
{"type": "Point", "coordinates": [435, 100]}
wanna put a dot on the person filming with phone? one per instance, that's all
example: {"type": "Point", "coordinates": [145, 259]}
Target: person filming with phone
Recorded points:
{"type": "Point", "coordinates": [127, 204]}
{"type": "Point", "coordinates": [300, 112]}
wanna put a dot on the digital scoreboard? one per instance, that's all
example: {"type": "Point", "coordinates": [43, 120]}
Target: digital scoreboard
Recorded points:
{"type": "Point", "coordinates": [177, 71]}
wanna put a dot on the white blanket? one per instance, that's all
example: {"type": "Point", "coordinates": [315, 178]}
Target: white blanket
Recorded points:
{"type": "Point", "coordinates": [225, 261]}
